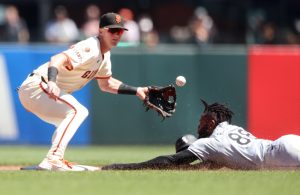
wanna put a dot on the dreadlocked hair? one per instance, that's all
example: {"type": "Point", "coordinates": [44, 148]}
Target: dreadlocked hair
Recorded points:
{"type": "Point", "coordinates": [223, 113]}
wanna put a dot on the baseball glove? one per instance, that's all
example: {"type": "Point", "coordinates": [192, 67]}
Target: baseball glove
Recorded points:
{"type": "Point", "coordinates": [161, 99]}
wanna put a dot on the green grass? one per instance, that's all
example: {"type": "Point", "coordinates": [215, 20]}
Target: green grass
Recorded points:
{"type": "Point", "coordinates": [97, 155]}
{"type": "Point", "coordinates": [149, 182]}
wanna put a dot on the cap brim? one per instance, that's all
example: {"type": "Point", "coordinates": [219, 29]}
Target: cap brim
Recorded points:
{"type": "Point", "coordinates": [115, 26]}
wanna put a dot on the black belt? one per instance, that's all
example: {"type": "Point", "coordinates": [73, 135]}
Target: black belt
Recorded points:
{"type": "Point", "coordinates": [30, 75]}
{"type": "Point", "coordinates": [42, 78]}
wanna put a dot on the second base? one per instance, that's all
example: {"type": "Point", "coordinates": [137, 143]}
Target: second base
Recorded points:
{"type": "Point", "coordinates": [83, 167]}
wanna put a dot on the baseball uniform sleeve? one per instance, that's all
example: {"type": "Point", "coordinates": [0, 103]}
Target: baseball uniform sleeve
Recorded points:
{"type": "Point", "coordinates": [78, 54]}
{"type": "Point", "coordinates": [203, 148]}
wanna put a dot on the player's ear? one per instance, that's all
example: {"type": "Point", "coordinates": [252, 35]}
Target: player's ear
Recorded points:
{"type": "Point", "coordinates": [100, 31]}
{"type": "Point", "coordinates": [212, 124]}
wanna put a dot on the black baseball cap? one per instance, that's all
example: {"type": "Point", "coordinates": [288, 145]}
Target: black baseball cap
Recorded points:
{"type": "Point", "coordinates": [112, 20]}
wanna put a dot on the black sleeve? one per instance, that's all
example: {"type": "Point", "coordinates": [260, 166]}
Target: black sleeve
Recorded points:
{"type": "Point", "coordinates": [160, 162]}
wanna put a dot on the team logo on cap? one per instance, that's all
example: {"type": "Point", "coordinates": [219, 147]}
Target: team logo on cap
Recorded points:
{"type": "Point", "coordinates": [118, 19]}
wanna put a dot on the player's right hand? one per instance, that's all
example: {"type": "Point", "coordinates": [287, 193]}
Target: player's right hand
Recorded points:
{"type": "Point", "coordinates": [53, 90]}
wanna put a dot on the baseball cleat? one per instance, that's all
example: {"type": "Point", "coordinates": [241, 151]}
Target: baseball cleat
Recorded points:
{"type": "Point", "coordinates": [55, 164]}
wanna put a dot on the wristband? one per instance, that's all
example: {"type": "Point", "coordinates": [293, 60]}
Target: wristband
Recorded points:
{"type": "Point", "coordinates": [126, 89]}
{"type": "Point", "coordinates": [52, 73]}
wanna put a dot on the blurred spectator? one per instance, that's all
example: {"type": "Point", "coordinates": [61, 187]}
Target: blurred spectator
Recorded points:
{"type": "Point", "coordinates": [132, 35]}
{"type": "Point", "coordinates": [262, 31]}
{"type": "Point", "coordinates": [62, 29]}
{"type": "Point", "coordinates": [146, 24]}
{"type": "Point", "coordinates": [268, 34]}
{"type": "Point", "coordinates": [2, 18]}
{"type": "Point", "coordinates": [202, 27]}
{"type": "Point", "coordinates": [290, 37]}
{"type": "Point", "coordinates": [91, 26]}
{"type": "Point", "coordinates": [294, 36]}
{"type": "Point", "coordinates": [14, 28]}
{"type": "Point", "coordinates": [297, 25]}
{"type": "Point", "coordinates": [256, 18]}
{"type": "Point", "coordinates": [181, 34]}
{"type": "Point", "coordinates": [151, 39]}
{"type": "Point", "coordinates": [149, 35]}
{"type": "Point", "coordinates": [200, 30]}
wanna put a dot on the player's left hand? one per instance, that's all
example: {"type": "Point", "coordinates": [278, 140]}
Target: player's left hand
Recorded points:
{"type": "Point", "coordinates": [141, 92]}
{"type": "Point", "coordinates": [161, 99]}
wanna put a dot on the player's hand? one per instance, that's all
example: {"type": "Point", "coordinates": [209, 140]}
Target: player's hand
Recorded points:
{"type": "Point", "coordinates": [53, 90]}
{"type": "Point", "coordinates": [141, 92]}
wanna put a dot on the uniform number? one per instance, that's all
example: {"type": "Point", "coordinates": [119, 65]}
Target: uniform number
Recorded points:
{"type": "Point", "coordinates": [89, 74]}
{"type": "Point", "coordinates": [241, 137]}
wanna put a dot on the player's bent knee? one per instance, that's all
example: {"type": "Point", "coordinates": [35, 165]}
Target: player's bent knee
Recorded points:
{"type": "Point", "coordinates": [83, 111]}
{"type": "Point", "coordinates": [80, 112]}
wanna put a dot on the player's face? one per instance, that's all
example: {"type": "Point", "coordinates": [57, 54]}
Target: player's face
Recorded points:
{"type": "Point", "coordinates": [118, 31]}
{"type": "Point", "coordinates": [206, 125]}
{"type": "Point", "coordinates": [112, 36]}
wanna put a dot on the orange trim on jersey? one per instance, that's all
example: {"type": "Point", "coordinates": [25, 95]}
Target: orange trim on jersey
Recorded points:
{"type": "Point", "coordinates": [64, 101]}
{"type": "Point", "coordinates": [103, 77]}
{"type": "Point", "coordinates": [69, 67]}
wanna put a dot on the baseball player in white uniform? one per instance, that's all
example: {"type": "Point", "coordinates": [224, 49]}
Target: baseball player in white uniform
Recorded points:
{"type": "Point", "coordinates": [221, 144]}
{"type": "Point", "coordinates": [46, 92]}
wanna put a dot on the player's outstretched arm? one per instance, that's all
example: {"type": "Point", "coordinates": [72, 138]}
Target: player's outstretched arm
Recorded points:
{"type": "Point", "coordinates": [115, 86]}
{"type": "Point", "coordinates": [161, 162]}
{"type": "Point", "coordinates": [110, 85]}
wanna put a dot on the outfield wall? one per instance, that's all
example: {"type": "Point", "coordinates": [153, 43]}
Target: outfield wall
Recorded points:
{"type": "Point", "coordinates": [250, 84]}
{"type": "Point", "coordinates": [274, 91]}
{"type": "Point", "coordinates": [216, 74]}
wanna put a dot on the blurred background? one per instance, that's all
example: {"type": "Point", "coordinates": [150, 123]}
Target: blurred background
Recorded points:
{"type": "Point", "coordinates": [174, 21]}
{"type": "Point", "coordinates": [244, 54]}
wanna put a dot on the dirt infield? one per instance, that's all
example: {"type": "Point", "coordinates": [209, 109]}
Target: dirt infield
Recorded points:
{"type": "Point", "coordinates": [9, 168]}
{"type": "Point", "coordinates": [17, 168]}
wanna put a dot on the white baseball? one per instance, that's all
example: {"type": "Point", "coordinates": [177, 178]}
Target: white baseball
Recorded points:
{"type": "Point", "coordinates": [180, 81]}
